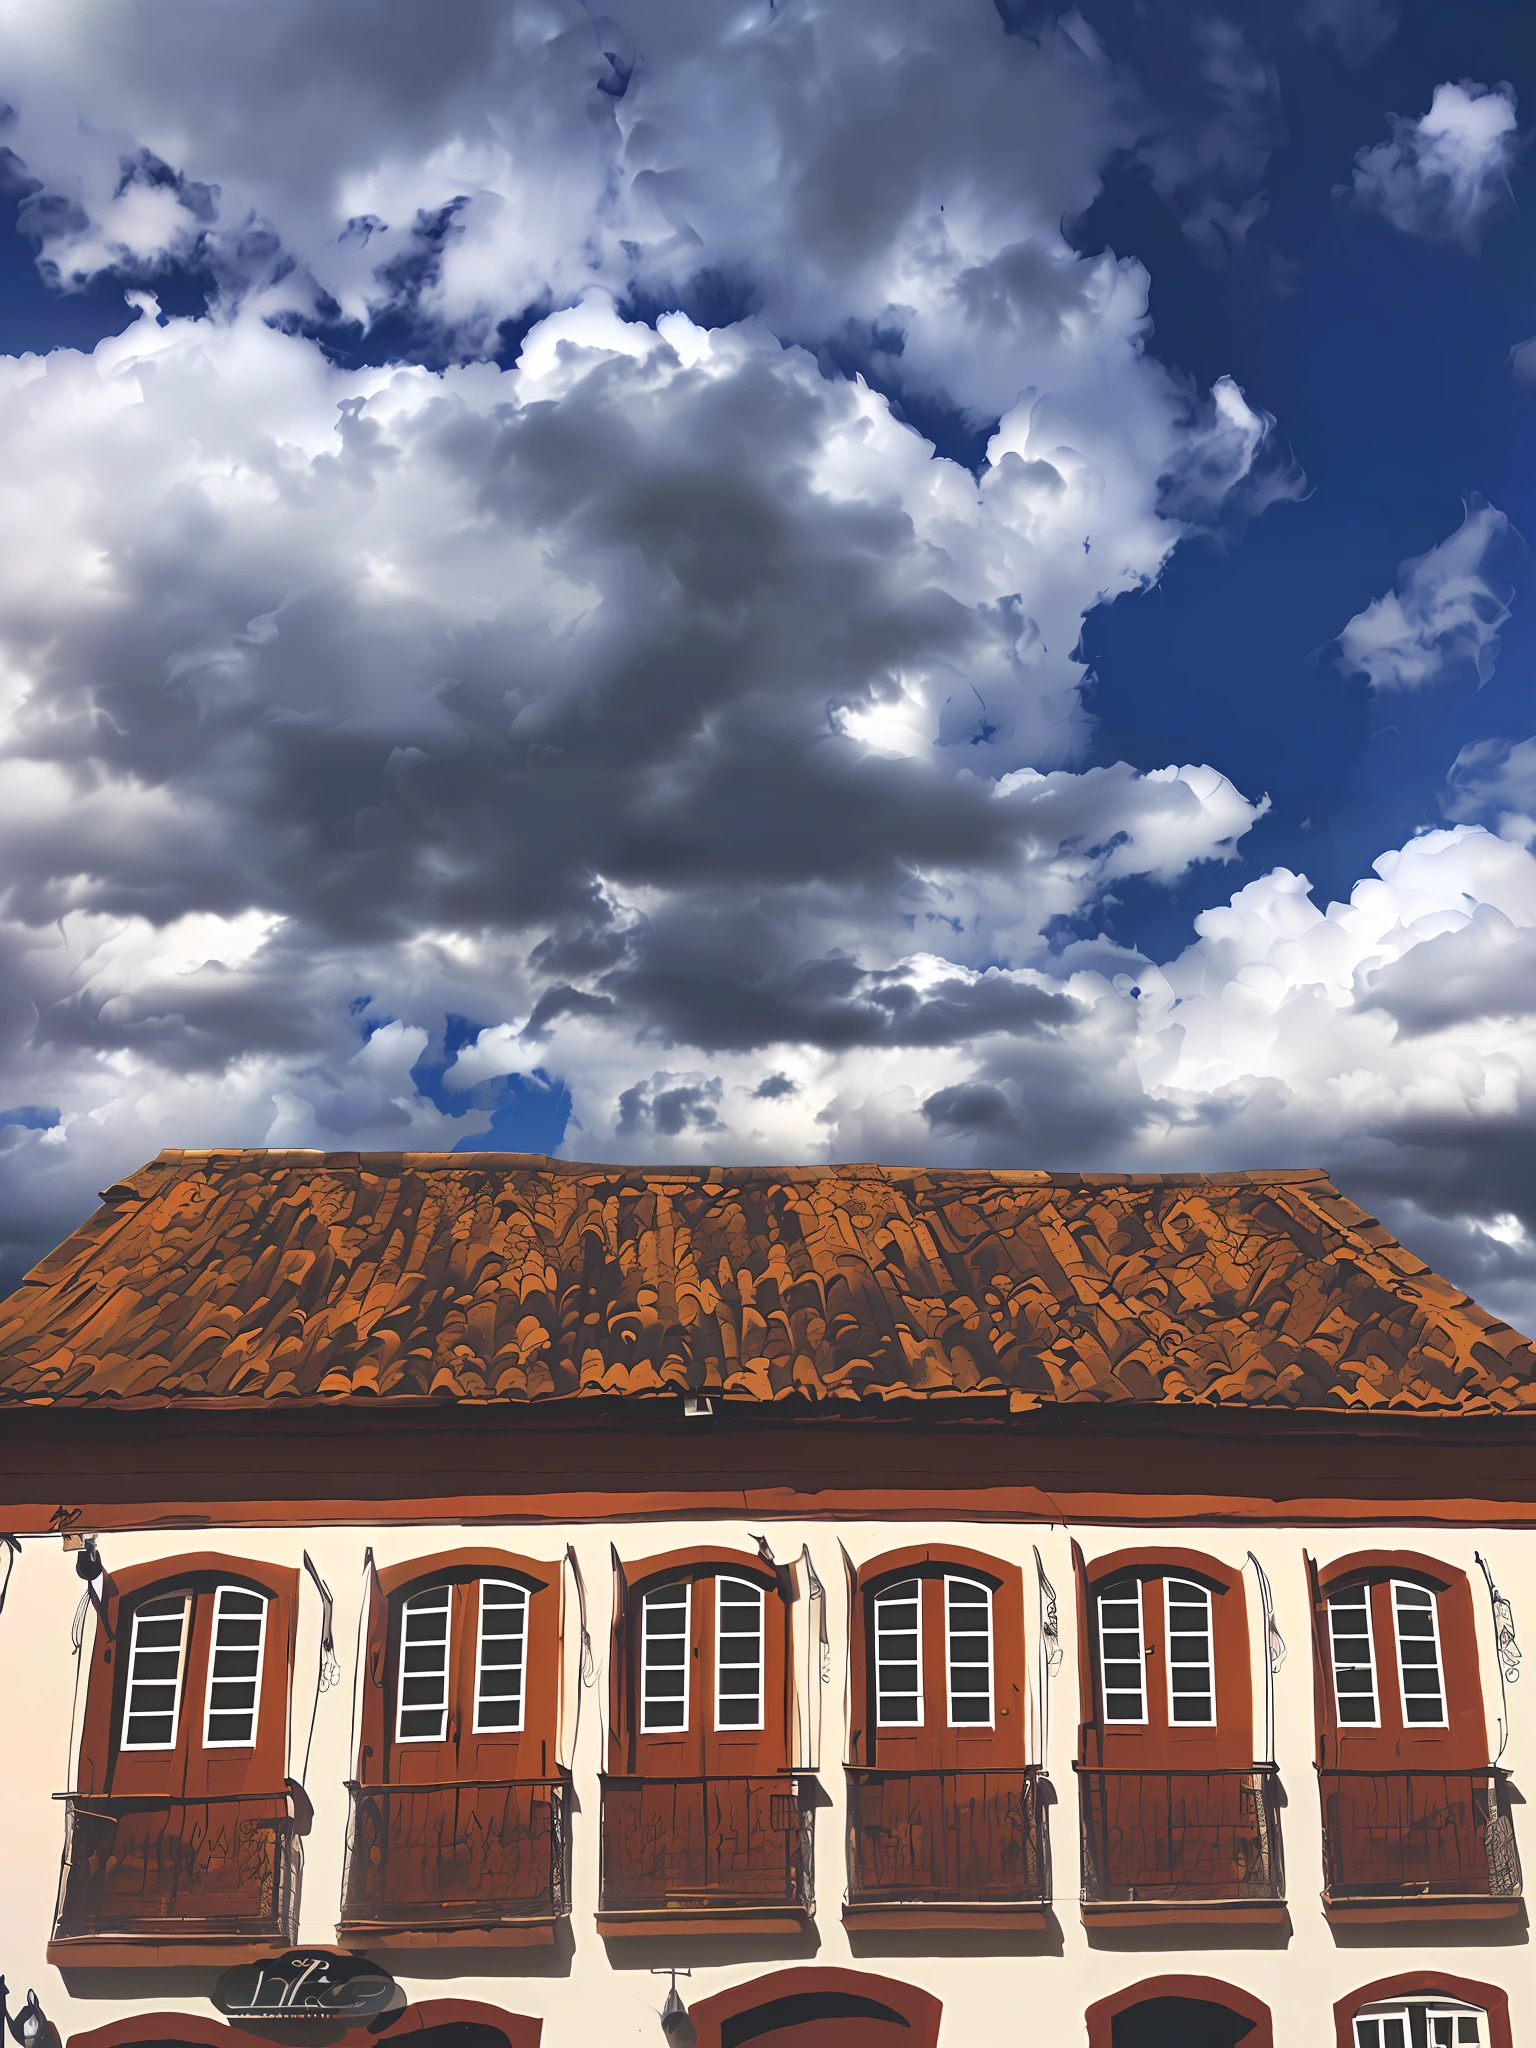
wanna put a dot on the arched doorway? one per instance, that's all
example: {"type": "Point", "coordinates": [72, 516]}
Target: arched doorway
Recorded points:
{"type": "Point", "coordinates": [818, 2008]}
{"type": "Point", "coordinates": [434, 2023]}
{"type": "Point", "coordinates": [1179, 2012]}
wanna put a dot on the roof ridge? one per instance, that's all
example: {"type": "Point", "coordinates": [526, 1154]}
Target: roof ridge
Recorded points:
{"type": "Point", "coordinates": [540, 1162]}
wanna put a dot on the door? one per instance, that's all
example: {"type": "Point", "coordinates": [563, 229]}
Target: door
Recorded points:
{"type": "Point", "coordinates": [199, 1727]}
{"type": "Point", "coordinates": [1409, 1801]}
{"type": "Point", "coordinates": [946, 1811]}
{"type": "Point", "coordinates": [459, 1802]}
{"type": "Point", "coordinates": [1171, 1808]}
{"type": "Point", "coordinates": [713, 1813]}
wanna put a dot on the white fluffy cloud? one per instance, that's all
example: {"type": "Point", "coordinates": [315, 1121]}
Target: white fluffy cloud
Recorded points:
{"type": "Point", "coordinates": [1441, 624]}
{"type": "Point", "coordinates": [1442, 175]}
{"type": "Point", "coordinates": [661, 688]}
{"type": "Point", "coordinates": [662, 704]}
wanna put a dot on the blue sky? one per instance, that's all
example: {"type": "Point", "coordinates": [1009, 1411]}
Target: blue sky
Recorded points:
{"type": "Point", "coordinates": [787, 582]}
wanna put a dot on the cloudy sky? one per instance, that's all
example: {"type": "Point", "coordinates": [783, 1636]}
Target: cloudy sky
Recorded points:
{"type": "Point", "coordinates": [921, 580]}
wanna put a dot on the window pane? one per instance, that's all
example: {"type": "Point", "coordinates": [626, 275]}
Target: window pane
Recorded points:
{"type": "Point", "coordinates": [898, 1661]}
{"type": "Point", "coordinates": [1418, 1655]}
{"type": "Point", "coordinates": [664, 1646]}
{"type": "Point", "coordinates": [1354, 1658]}
{"type": "Point", "coordinates": [738, 1654]}
{"type": "Point", "coordinates": [154, 1673]}
{"type": "Point", "coordinates": [423, 1705]}
{"type": "Point", "coordinates": [1122, 1660]}
{"type": "Point", "coordinates": [968, 1609]}
{"type": "Point", "coordinates": [1191, 1660]}
{"type": "Point", "coordinates": [234, 1668]}
{"type": "Point", "coordinates": [501, 1663]}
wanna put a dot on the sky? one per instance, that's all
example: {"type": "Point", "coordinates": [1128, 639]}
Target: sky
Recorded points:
{"type": "Point", "coordinates": [932, 581]}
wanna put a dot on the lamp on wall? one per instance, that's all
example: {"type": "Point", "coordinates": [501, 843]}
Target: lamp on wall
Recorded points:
{"type": "Point", "coordinates": [31, 2027]}
{"type": "Point", "coordinates": [675, 2023]}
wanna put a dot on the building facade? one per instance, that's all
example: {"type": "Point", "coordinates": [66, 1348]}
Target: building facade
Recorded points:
{"type": "Point", "coordinates": [865, 1607]}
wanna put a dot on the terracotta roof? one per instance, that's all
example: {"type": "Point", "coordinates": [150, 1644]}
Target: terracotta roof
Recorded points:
{"type": "Point", "coordinates": [239, 1278]}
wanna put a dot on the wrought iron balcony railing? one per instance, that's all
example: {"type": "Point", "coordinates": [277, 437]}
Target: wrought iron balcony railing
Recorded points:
{"type": "Point", "coordinates": [185, 1868]}
{"type": "Point", "coordinates": [705, 1844]}
{"type": "Point", "coordinates": [1418, 1835]}
{"type": "Point", "coordinates": [946, 1837]}
{"type": "Point", "coordinates": [1180, 1837]}
{"type": "Point", "coordinates": [474, 1852]}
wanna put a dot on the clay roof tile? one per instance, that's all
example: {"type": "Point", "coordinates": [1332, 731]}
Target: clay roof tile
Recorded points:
{"type": "Point", "coordinates": [232, 1278]}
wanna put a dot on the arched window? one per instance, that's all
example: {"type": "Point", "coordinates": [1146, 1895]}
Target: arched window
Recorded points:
{"type": "Point", "coordinates": [1168, 1680]}
{"type": "Point", "coordinates": [702, 1667]}
{"type": "Point", "coordinates": [184, 1819]}
{"type": "Point", "coordinates": [188, 1696]}
{"type": "Point", "coordinates": [940, 1683]}
{"type": "Point", "coordinates": [943, 1800]}
{"type": "Point", "coordinates": [700, 1813]}
{"type": "Point", "coordinates": [463, 1657]}
{"type": "Point", "coordinates": [1399, 1648]}
{"type": "Point", "coordinates": [1177, 1817]}
{"type": "Point", "coordinates": [1423, 2009]}
{"type": "Point", "coordinates": [458, 1808]}
{"type": "Point", "coordinates": [1416, 1818]}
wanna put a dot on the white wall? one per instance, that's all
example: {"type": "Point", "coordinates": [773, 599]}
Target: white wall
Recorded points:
{"type": "Point", "coordinates": [985, 1997]}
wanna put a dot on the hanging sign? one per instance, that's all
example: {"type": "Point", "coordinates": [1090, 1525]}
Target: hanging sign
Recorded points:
{"type": "Point", "coordinates": [308, 1984]}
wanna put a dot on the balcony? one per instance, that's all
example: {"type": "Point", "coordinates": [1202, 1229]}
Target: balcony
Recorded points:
{"type": "Point", "coordinates": [1419, 1844]}
{"type": "Point", "coordinates": [1190, 1846]}
{"type": "Point", "coordinates": [946, 1848]}
{"type": "Point", "coordinates": [702, 1854]}
{"type": "Point", "coordinates": [481, 1855]}
{"type": "Point", "coordinates": [176, 1878]}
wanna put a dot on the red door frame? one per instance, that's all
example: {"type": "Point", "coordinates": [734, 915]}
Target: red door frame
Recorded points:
{"type": "Point", "coordinates": [920, 2009]}
{"type": "Point", "coordinates": [1101, 2017]}
{"type": "Point", "coordinates": [198, 2032]}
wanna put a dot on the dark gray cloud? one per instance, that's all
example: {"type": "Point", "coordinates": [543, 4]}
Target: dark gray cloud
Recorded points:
{"type": "Point", "coordinates": [658, 719]}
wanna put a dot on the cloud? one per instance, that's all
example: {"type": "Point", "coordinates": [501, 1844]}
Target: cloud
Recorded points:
{"type": "Point", "coordinates": [898, 170]}
{"type": "Point", "coordinates": [1441, 176]}
{"type": "Point", "coordinates": [1494, 779]}
{"type": "Point", "coordinates": [635, 714]}
{"type": "Point", "coordinates": [1442, 622]}
{"type": "Point", "coordinates": [662, 687]}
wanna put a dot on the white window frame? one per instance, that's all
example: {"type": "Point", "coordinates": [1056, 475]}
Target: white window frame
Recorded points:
{"type": "Point", "coordinates": [1122, 1720]}
{"type": "Point", "coordinates": [1174, 1579]}
{"type": "Point", "coordinates": [502, 1727]}
{"type": "Point", "coordinates": [979, 1586]}
{"type": "Point", "coordinates": [447, 1674]}
{"type": "Point", "coordinates": [1434, 2005]}
{"type": "Point", "coordinates": [883, 1692]}
{"type": "Point", "coordinates": [683, 1726]}
{"type": "Point", "coordinates": [1374, 1667]}
{"type": "Point", "coordinates": [741, 1586]}
{"type": "Point", "coordinates": [181, 1670]}
{"type": "Point", "coordinates": [1444, 1721]}
{"type": "Point", "coordinates": [225, 1742]}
